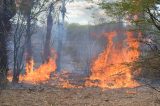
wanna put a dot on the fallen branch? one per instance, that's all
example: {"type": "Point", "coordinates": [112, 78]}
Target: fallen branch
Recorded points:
{"type": "Point", "coordinates": [150, 86]}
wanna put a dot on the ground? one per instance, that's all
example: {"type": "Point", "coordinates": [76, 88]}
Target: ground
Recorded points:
{"type": "Point", "coordinates": [51, 96]}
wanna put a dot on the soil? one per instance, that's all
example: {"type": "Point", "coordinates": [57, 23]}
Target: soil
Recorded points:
{"type": "Point", "coordinates": [51, 96]}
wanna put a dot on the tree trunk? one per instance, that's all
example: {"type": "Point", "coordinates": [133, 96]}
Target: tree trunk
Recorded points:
{"type": "Point", "coordinates": [59, 49]}
{"type": "Point", "coordinates": [28, 40]}
{"type": "Point", "coordinates": [7, 11]}
{"type": "Point", "coordinates": [3, 54]}
{"type": "Point", "coordinates": [18, 51]}
{"type": "Point", "coordinates": [47, 47]}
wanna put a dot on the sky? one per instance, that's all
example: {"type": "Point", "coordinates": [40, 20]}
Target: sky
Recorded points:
{"type": "Point", "coordinates": [77, 12]}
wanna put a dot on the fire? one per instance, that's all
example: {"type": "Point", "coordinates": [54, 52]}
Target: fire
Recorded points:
{"type": "Point", "coordinates": [66, 84]}
{"type": "Point", "coordinates": [29, 66]}
{"type": "Point", "coordinates": [40, 74]}
{"type": "Point", "coordinates": [110, 69]}
{"type": "Point", "coordinates": [63, 81]}
{"type": "Point", "coordinates": [10, 76]}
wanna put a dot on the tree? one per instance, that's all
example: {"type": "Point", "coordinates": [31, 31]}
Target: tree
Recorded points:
{"type": "Point", "coordinates": [26, 20]}
{"type": "Point", "coordinates": [7, 11]}
{"type": "Point", "coordinates": [142, 11]}
{"type": "Point", "coordinates": [18, 41]}
{"type": "Point", "coordinates": [47, 46]}
{"type": "Point", "coordinates": [145, 16]}
{"type": "Point", "coordinates": [47, 52]}
{"type": "Point", "coordinates": [31, 9]}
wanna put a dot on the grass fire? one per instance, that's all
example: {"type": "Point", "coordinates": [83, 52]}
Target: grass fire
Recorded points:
{"type": "Point", "coordinates": [79, 53]}
{"type": "Point", "coordinates": [110, 68]}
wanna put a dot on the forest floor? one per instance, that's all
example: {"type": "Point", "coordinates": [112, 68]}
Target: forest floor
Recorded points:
{"type": "Point", "coordinates": [52, 96]}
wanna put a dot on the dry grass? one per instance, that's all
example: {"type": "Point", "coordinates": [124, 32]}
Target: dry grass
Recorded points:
{"type": "Point", "coordinates": [142, 96]}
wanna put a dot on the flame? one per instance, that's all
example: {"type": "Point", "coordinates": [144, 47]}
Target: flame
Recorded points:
{"type": "Point", "coordinates": [110, 69]}
{"type": "Point", "coordinates": [29, 66]}
{"type": "Point", "coordinates": [40, 74]}
{"type": "Point", "coordinates": [63, 81]}
{"type": "Point", "coordinates": [10, 76]}
{"type": "Point", "coordinates": [66, 84]}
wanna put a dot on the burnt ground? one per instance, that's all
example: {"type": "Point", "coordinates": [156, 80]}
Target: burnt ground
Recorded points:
{"type": "Point", "coordinates": [51, 96]}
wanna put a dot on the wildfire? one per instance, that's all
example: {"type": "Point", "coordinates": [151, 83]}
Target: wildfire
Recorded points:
{"type": "Point", "coordinates": [63, 81]}
{"type": "Point", "coordinates": [66, 84]}
{"type": "Point", "coordinates": [40, 74]}
{"type": "Point", "coordinates": [110, 69]}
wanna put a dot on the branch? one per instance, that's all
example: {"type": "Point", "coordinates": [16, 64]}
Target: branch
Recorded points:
{"type": "Point", "coordinates": [152, 87]}
{"type": "Point", "coordinates": [154, 19]}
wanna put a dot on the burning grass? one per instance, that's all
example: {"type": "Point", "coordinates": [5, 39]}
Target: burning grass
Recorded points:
{"type": "Point", "coordinates": [109, 70]}
{"type": "Point", "coordinates": [42, 73]}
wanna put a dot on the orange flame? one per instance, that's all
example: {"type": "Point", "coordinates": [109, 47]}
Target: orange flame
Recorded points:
{"type": "Point", "coordinates": [40, 74]}
{"type": "Point", "coordinates": [66, 84]}
{"type": "Point", "coordinates": [29, 66]}
{"type": "Point", "coordinates": [63, 81]}
{"type": "Point", "coordinates": [110, 70]}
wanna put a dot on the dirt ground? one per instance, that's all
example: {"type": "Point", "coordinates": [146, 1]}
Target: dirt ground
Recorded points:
{"type": "Point", "coordinates": [50, 96]}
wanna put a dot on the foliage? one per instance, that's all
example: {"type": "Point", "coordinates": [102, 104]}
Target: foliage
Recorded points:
{"type": "Point", "coordinates": [145, 16]}
{"type": "Point", "coordinates": [33, 7]}
{"type": "Point", "coordinates": [148, 11]}
{"type": "Point", "coordinates": [149, 65]}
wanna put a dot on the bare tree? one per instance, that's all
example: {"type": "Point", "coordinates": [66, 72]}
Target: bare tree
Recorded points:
{"type": "Point", "coordinates": [31, 9]}
{"type": "Point", "coordinates": [18, 41]}
{"type": "Point", "coordinates": [26, 18]}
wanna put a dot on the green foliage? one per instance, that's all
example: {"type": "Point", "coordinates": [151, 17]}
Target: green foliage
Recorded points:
{"type": "Point", "coordinates": [128, 6]}
{"type": "Point", "coordinates": [148, 11]}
